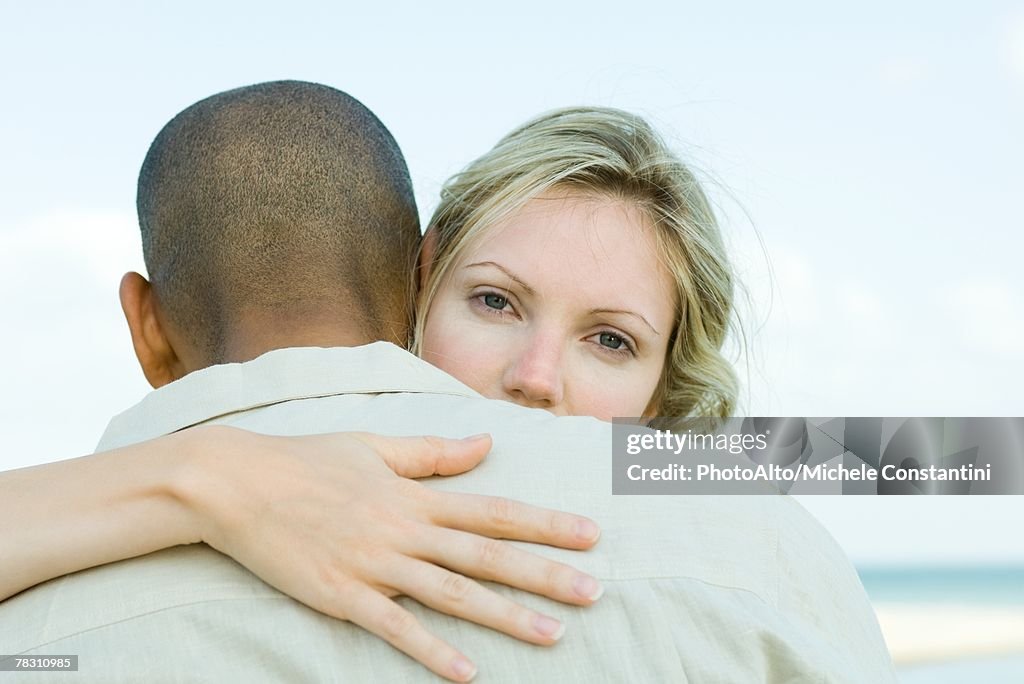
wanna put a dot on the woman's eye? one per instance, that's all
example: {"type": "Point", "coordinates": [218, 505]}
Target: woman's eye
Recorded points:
{"type": "Point", "coordinates": [612, 341]}
{"type": "Point", "coordinates": [494, 301]}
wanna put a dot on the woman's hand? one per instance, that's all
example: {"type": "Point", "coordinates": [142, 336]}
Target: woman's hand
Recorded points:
{"type": "Point", "coordinates": [331, 521]}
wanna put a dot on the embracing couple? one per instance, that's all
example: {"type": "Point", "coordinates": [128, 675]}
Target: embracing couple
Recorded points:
{"type": "Point", "coordinates": [298, 331]}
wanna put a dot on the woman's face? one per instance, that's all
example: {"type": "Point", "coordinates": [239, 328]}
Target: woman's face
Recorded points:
{"type": "Point", "coordinates": [564, 306]}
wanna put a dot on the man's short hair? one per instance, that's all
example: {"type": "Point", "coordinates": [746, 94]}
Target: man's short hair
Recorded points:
{"type": "Point", "coordinates": [273, 200]}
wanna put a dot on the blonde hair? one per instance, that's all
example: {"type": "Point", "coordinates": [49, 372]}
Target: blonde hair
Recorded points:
{"type": "Point", "coordinates": [610, 153]}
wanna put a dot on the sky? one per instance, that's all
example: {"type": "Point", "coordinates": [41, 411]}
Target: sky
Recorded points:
{"type": "Point", "coordinates": [864, 160]}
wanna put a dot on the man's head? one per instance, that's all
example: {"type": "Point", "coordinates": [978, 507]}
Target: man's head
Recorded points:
{"type": "Point", "coordinates": [279, 214]}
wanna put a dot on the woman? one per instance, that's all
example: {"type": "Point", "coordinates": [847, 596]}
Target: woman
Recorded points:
{"type": "Point", "coordinates": [599, 174]}
{"type": "Point", "coordinates": [576, 267]}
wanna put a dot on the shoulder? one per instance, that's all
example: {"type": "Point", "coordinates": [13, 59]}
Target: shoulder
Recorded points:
{"type": "Point", "coordinates": [819, 588]}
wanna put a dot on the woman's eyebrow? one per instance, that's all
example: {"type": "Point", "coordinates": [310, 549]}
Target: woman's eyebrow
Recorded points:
{"type": "Point", "coordinates": [627, 313]}
{"type": "Point", "coordinates": [512, 276]}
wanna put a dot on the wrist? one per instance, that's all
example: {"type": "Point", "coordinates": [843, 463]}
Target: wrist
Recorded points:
{"type": "Point", "coordinates": [197, 483]}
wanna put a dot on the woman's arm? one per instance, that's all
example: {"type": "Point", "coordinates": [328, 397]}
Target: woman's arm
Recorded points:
{"type": "Point", "coordinates": [323, 518]}
{"type": "Point", "coordinates": [70, 515]}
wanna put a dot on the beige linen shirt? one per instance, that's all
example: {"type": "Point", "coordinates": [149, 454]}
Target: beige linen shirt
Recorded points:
{"type": "Point", "coordinates": [698, 588]}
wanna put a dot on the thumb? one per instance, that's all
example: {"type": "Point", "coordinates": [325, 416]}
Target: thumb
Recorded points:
{"type": "Point", "coordinates": [429, 455]}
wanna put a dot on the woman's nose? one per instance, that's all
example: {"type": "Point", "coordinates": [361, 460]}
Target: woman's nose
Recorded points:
{"type": "Point", "coordinates": [535, 377]}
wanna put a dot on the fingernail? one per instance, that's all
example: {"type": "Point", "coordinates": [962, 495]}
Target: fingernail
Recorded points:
{"type": "Point", "coordinates": [548, 626]}
{"type": "Point", "coordinates": [587, 530]}
{"type": "Point", "coordinates": [476, 438]}
{"type": "Point", "coordinates": [587, 587]}
{"type": "Point", "coordinates": [463, 669]}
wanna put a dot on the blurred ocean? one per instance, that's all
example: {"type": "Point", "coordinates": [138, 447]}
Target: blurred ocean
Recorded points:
{"type": "Point", "coordinates": [1004, 670]}
{"type": "Point", "coordinates": [981, 586]}
{"type": "Point", "coordinates": [988, 585]}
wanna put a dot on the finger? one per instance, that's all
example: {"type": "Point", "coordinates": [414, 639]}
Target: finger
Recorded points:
{"type": "Point", "coordinates": [428, 455]}
{"type": "Point", "coordinates": [380, 615]}
{"type": "Point", "coordinates": [490, 559]}
{"type": "Point", "coordinates": [448, 592]}
{"type": "Point", "coordinates": [502, 518]}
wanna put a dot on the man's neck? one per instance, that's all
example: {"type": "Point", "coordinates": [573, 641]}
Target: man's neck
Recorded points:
{"type": "Point", "coordinates": [245, 343]}
{"type": "Point", "coordinates": [254, 332]}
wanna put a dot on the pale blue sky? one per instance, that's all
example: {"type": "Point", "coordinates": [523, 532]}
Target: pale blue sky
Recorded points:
{"type": "Point", "coordinates": [876, 149]}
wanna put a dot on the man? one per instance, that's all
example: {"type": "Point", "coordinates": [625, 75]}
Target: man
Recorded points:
{"type": "Point", "coordinates": [280, 215]}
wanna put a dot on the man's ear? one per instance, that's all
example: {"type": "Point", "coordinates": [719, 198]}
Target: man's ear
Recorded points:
{"type": "Point", "coordinates": [426, 261]}
{"type": "Point", "coordinates": [160, 363]}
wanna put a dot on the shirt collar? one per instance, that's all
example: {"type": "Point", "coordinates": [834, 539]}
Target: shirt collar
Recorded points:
{"type": "Point", "coordinates": [277, 376]}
